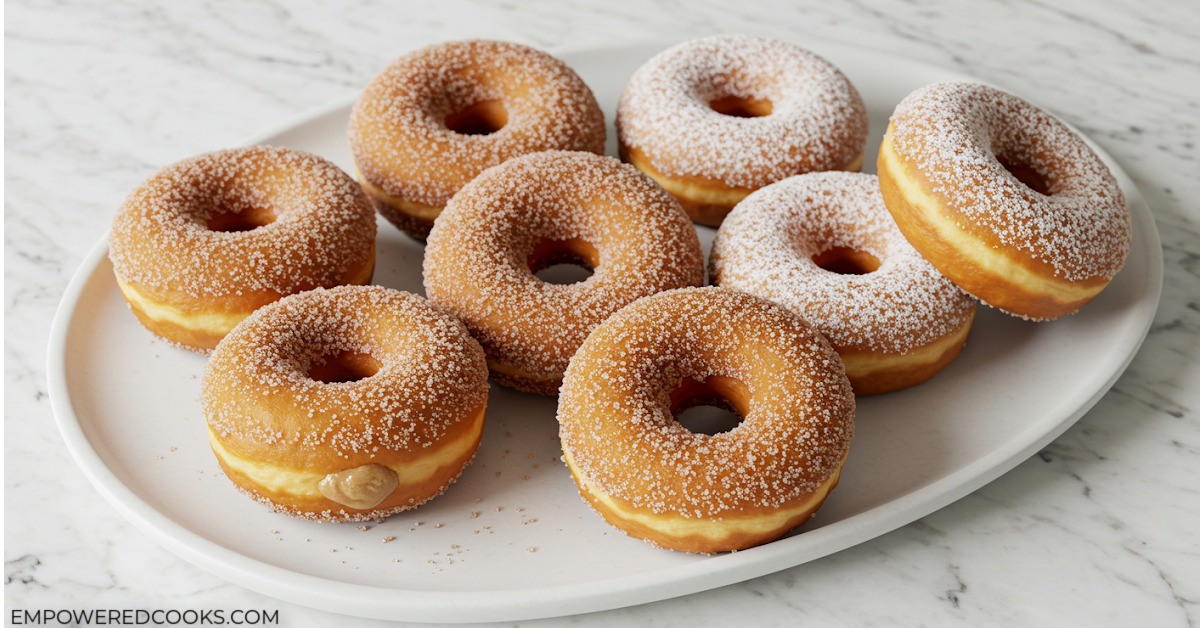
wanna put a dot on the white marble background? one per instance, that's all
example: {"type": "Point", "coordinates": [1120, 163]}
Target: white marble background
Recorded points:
{"type": "Point", "coordinates": [1101, 528]}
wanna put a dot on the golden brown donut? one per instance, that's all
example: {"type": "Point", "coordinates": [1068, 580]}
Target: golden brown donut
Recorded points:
{"type": "Point", "coordinates": [714, 119]}
{"type": "Point", "coordinates": [649, 476]}
{"type": "Point", "coordinates": [824, 246]}
{"type": "Point", "coordinates": [437, 117]}
{"type": "Point", "coordinates": [544, 209]}
{"type": "Point", "coordinates": [206, 241]}
{"type": "Point", "coordinates": [345, 404]}
{"type": "Point", "coordinates": [1003, 199]}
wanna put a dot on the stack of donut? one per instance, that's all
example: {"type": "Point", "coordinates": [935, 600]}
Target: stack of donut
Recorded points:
{"type": "Point", "coordinates": [331, 400]}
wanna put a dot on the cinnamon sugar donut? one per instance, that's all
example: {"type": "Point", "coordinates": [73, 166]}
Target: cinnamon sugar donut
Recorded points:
{"type": "Point", "coordinates": [649, 476]}
{"type": "Point", "coordinates": [437, 117]}
{"type": "Point", "coordinates": [714, 119]}
{"type": "Point", "coordinates": [1003, 199]}
{"type": "Point", "coordinates": [824, 246]}
{"type": "Point", "coordinates": [206, 241]}
{"type": "Point", "coordinates": [345, 404]}
{"type": "Point", "coordinates": [537, 211]}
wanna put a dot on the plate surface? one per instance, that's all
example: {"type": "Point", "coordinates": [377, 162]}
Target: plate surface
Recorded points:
{"type": "Point", "coordinates": [512, 539]}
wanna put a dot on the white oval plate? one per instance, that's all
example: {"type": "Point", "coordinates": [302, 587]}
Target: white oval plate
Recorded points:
{"type": "Point", "coordinates": [513, 540]}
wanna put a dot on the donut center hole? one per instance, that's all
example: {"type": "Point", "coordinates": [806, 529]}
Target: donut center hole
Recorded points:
{"type": "Point", "coordinates": [246, 220]}
{"type": "Point", "coordinates": [563, 261]}
{"type": "Point", "coordinates": [739, 107]}
{"type": "Point", "coordinates": [1027, 175]}
{"type": "Point", "coordinates": [564, 274]}
{"type": "Point", "coordinates": [846, 261]}
{"type": "Point", "coordinates": [346, 366]}
{"type": "Point", "coordinates": [711, 406]}
{"type": "Point", "coordinates": [482, 118]}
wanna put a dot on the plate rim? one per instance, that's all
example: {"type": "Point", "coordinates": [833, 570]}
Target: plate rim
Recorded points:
{"type": "Point", "coordinates": [500, 605]}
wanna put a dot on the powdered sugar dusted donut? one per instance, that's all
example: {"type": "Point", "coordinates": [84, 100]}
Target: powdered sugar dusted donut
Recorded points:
{"type": "Point", "coordinates": [543, 209]}
{"type": "Point", "coordinates": [345, 404]}
{"type": "Point", "coordinates": [437, 117]}
{"type": "Point", "coordinates": [651, 477]}
{"type": "Point", "coordinates": [1003, 199]}
{"type": "Point", "coordinates": [206, 241]}
{"type": "Point", "coordinates": [824, 246]}
{"type": "Point", "coordinates": [714, 119]}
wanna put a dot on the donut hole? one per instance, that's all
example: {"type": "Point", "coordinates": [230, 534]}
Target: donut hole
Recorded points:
{"type": "Point", "coordinates": [563, 261]}
{"type": "Point", "coordinates": [1027, 175]}
{"type": "Point", "coordinates": [564, 274]}
{"type": "Point", "coordinates": [846, 261]}
{"type": "Point", "coordinates": [710, 419]}
{"type": "Point", "coordinates": [482, 118]}
{"type": "Point", "coordinates": [711, 406]}
{"type": "Point", "coordinates": [739, 107]}
{"type": "Point", "coordinates": [345, 366]}
{"type": "Point", "coordinates": [247, 219]}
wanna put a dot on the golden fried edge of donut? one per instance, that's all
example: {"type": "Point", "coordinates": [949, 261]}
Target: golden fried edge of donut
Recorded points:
{"type": "Point", "coordinates": [706, 202]}
{"type": "Point", "coordinates": [522, 380]}
{"type": "Point", "coordinates": [177, 318]}
{"type": "Point", "coordinates": [295, 492]}
{"type": "Point", "coordinates": [996, 274]}
{"type": "Point", "coordinates": [878, 372]}
{"type": "Point", "coordinates": [415, 219]}
{"type": "Point", "coordinates": [698, 535]}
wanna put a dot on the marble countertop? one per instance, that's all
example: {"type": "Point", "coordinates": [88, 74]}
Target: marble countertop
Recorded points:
{"type": "Point", "coordinates": [1100, 528]}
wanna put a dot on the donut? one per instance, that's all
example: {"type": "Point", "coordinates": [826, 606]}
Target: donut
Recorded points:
{"type": "Point", "coordinates": [651, 477]}
{"type": "Point", "coordinates": [714, 119]}
{"type": "Point", "coordinates": [345, 404]}
{"type": "Point", "coordinates": [538, 211]}
{"type": "Point", "coordinates": [1003, 199]}
{"type": "Point", "coordinates": [437, 117]}
{"type": "Point", "coordinates": [824, 246]}
{"type": "Point", "coordinates": [206, 241]}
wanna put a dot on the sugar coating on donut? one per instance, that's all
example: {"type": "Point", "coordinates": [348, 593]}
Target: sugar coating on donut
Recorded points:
{"type": "Point", "coordinates": [766, 247]}
{"type": "Point", "coordinates": [793, 439]}
{"type": "Point", "coordinates": [323, 226]}
{"type": "Point", "coordinates": [818, 120]}
{"type": "Point", "coordinates": [398, 132]}
{"type": "Point", "coordinates": [476, 261]}
{"type": "Point", "coordinates": [954, 131]}
{"type": "Point", "coordinates": [268, 357]}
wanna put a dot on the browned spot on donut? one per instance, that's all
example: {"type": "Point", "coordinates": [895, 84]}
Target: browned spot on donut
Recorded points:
{"type": "Point", "coordinates": [1027, 175]}
{"type": "Point", "coordinates": [345, 366]}
{"type": "Point", "coordinates": [846, 261]}
{"type": "Point", "coordinates": [739, 107]}
{"type": "Point", "coordinates": [482, 118]}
